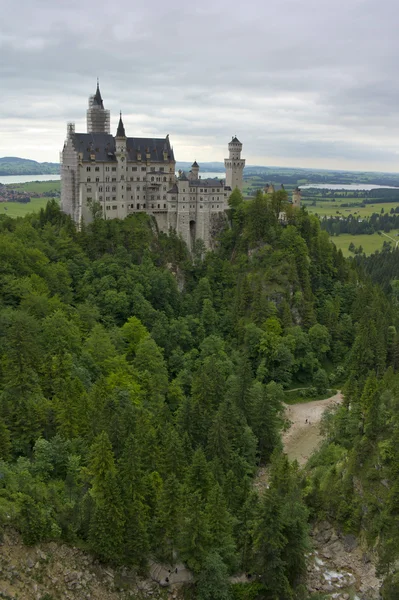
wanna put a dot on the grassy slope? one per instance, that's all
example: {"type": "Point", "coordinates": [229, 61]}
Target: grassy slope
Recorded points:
{"type": "Point", "coordinates": [38, 187]}
{"type": "Point", "coordinates": [16, 209]}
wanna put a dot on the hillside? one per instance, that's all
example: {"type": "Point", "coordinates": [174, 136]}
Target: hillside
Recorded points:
{"type": "Point", "coordinates": [142, 387]}
{"type": "Point", "coordinates": [11, 165]}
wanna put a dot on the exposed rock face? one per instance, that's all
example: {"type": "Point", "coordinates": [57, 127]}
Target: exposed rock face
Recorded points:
{"type": "Point", "coordinates": [340, 567]}
{"type": "Point", "coordinates": [67, 573]}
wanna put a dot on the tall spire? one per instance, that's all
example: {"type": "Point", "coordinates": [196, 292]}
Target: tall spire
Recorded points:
{"type": "Point", "coordinates": [97, 96]}
{"type": "Point", "coordinates": [120, 132]}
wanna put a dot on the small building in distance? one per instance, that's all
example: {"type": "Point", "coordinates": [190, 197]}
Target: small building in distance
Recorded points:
{"type": "Point", "coordinates": [120, 175]}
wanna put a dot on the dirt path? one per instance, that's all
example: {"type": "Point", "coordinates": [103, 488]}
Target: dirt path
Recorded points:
{"type": "Point", "coordinates": [303, 437]}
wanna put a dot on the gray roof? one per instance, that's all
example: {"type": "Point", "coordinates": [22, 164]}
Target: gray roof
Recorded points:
{"type": "Point", "coordinates": [103, 146]}
{"type": "Point", "coordinates": [235, 139]}
{"type": "Point", "coordinates": [195, 164]}
{"type": "Point", "coordinates": [206, 183]}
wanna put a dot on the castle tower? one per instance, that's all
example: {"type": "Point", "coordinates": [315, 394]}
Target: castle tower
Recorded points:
{"type": "Point", "coordinates": [98, 119]}
{"type": "Point", "coordinates": [296, 197]}
{"type": "Point", "coordinates": [234, 165]}
{"type": "Point", "coordinates": [194, 173]}
{"type": "Point", "coordinates": [121, 170]}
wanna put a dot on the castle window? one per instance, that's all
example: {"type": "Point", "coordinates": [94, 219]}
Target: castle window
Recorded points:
{"type": "Point", "coordinates": [122, 196]}
{"type": "Point", "coordinates": [128, 188]}
{"type": "Point", "coordinates": [114, 188]}
{"type": "Point", "coordinates": [213, 206]}
{"type": "Point", "coordinates": [114, 207]}
{"type": "Point", "coordinates": [100, 189]}
{"type": "Point", "coordinates": [152, 179]}
{"type": "Point", "coordinates": [158, 197]}
{"type": "Point", "coordinates": [100, 197]}
{"type": "Point", "coordinates": [132, 179]}
{"type": "Point", "coordinates": [107, 198]}
{"type": "Point", "coordinates": [113, 168]}
{"type": "Point", "coordinates": [89, 198]}
{"type": "Point", "coordinates": [88, 168]}
{"type": "Point", "coordinates": [164, 197]}
{"type": "Point", "coordinates": [201, 190]}
{"type": "Point", "coordinates": [201, 206]}
{"type": "Point", "coordinates": [113, 178]}
{"type": "Point", "coordinates": [88, 179]}
{"type": "Point", "coordinates": [122, 177]}
{"type": "Point", "coordinates": [152, 206]}
{"type": "Point", "coordinates": [218, 206]}
{"type": "Point", "coordinates": [138, 187]}
{"type": "Point", "coordinates": [143, 168]}
{"type": "Point", "coordinates": [97, 169]}
{"type": "Point", "coordinates": [161, 169]}
{"type": "Point", "coordinates": [164, 205]}
{"type": "Point", "coordinates": [107, 179]}
{"type": "Point", "coordinates": [108, 207]}
{"type": "Point", "coordinates": [97, 179]}
{"type": "Point", "coordinates": [107, 168]}
{"type": "Point", "coordinates": [134, 168]}
{"type": "Point", "coordinates": [138, 197]}
{"type": "Point", "coordinates": [107, 188]}
{"type": "Point", "coordinates": [153, 169]}
{"type": "Point", "coordinates": [153, 198]}
{"type": "Point", "coordinates": [113, 197]}
{"type": "Point", "coordinates": [159, 206]}
{"type": "Point", "coordinates": [143, 205]}
{"type": "Point", "coordinates": [88, 189]}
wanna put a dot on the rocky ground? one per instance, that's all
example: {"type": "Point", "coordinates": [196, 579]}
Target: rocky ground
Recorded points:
{"type": "Point", "coordinates": [60, 572]}
{"type": "Point", "coordinates": [339, 566]}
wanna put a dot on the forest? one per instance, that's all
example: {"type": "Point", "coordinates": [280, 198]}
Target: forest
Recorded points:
{"type": "Point", "coordinates": [141, 386]}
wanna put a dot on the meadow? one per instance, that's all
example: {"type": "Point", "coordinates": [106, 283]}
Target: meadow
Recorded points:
{"type": "Point", "coordinates": [369, 243]}
{"type": "Point", "coordinates": [17, 209]}
{"type": "Point", "coordinates": [334, 209]}
{"type": "Point", "coordinates": [38, 187]}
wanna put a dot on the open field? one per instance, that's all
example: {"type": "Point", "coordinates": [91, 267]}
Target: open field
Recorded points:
{"type": "Point", "coordinates": [38, 187]}
{"type": "Point", "coordinates": [334, 209]}
{"type": "Point", "coordinates": [17, 209]}
{"type": "Point", "coordinates": [369, 243]}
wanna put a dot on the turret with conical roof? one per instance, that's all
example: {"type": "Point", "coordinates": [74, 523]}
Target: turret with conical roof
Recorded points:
{"type": "Point", "coordinates": [120, 132]}
{"type": "Point", "coordinates": [98, 119]}
{"type": "Point", "coordinates": [194, 173]}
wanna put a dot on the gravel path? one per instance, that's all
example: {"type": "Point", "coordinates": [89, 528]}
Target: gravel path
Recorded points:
{"type": "Point", "coordinates": [303, 437]}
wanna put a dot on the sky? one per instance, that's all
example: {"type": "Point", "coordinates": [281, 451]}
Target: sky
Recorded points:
{"type": "Point", "coordinates": [303, 83]}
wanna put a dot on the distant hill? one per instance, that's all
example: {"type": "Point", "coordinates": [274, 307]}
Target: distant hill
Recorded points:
{"type": "Point", "coordinates": [12, 165]}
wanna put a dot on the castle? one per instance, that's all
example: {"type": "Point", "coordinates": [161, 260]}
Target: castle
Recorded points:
{"type": "Point", "coordinates": [123, 175]}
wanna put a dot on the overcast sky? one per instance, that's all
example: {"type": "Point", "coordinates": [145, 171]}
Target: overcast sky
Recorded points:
{"type": "Point", "coordinates": [306, 83]}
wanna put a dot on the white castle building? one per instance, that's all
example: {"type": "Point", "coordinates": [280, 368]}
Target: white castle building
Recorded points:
{"type": "Point", "coordinates": [123, 175]}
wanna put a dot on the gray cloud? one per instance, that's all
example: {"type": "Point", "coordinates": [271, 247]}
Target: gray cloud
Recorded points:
{"type": "Point", "coordinates": [301, 82]}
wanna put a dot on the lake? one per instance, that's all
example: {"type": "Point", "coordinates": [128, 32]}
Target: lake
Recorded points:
{"type": "Point", "coordinates": [352, 186]}
{"type": "Point", "coordinates": [27, 178]}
